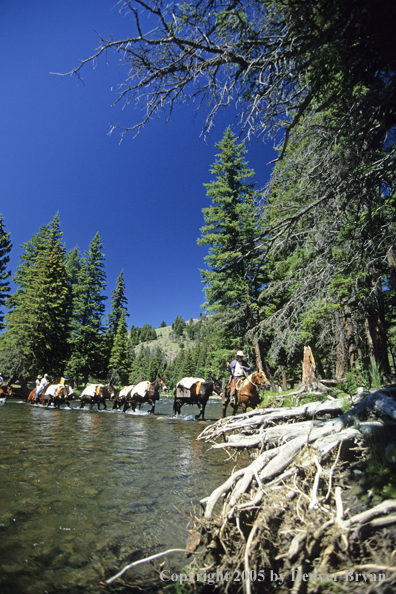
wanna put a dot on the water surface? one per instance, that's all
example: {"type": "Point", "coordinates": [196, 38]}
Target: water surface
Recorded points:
{"type": "Point", "coordinates": [84, 492]}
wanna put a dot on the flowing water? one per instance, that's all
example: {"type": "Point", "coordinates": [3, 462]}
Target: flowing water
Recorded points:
{"type": "Point", "coordinates": [84, 492]}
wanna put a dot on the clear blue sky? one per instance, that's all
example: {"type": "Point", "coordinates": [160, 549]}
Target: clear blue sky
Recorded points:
{"type": "Point", "coordinates": [144, 196]}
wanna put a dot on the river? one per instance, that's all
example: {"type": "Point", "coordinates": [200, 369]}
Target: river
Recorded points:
{"type": "Point", "coordinates": [85, 492]}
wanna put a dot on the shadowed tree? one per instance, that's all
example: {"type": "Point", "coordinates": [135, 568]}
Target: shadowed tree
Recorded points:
{"type": "Point", "coordinates": [120, 361]}
{"type": "Point", "coordinates": [234, 278]}
{"type": "Point", "coordinates": [37, 321]}
{"type": "Point", "coordinates": [86, 339]}
{"type": "Point", "coordinates": [5, 248]}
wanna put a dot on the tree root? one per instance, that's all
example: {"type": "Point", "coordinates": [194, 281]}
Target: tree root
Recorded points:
{"type": "Point", "coordinates": [287, 513]}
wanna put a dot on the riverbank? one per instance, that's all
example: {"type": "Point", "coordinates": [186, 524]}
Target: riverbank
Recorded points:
{"type": "Point", "coordinates": [315, 511]}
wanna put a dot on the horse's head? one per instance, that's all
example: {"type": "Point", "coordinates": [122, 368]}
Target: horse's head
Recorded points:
{"type": "Point", "coordinates": [161, 380]}
{"type": "Point", "coordinates": [108, 391]}
{"type": "Point", "coordinates": [259, 378]}
{"type": "Point", "coordinates": [217, 385]}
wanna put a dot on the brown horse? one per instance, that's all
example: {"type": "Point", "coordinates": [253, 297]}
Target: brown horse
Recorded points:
{"type": "Point", "coordinates": [98, 395]}
{"type": "Point", "coordinates": [32, 395]}
{"type": "Point", "coordinates": [247, 392]}
{"type": "Point", "coordinates": [122, 397]}
{"type": "Point", "coordinates": [145, 392]}
{"type": "Point", "coordinates": [4, 392]}
{"type": "Point", "coordinates": [58, 394]}
{"type": "Point", "coordinates": [198, 393]}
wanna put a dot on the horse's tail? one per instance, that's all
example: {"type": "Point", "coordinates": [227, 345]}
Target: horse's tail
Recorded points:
{"type": "Point", "coordinates": [174, 405]}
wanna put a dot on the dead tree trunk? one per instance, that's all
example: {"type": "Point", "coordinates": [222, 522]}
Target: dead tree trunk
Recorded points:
{"type": "Point", "coordinates": [284, 382]}
{"type": "Point", "coordinates": [309, 380]}
{"type": "Point", "coordinates": [341, 350]}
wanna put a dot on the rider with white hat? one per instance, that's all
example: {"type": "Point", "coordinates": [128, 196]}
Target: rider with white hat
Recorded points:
{"type": "Point", "coordinates": [237, 369]}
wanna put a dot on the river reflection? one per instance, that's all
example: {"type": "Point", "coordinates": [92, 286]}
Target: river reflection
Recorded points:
{"type": "Point", "coordinates": [84, 492]}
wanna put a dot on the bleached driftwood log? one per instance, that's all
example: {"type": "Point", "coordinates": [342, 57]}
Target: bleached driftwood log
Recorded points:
{"type": "Point", "coordinates": [284, 441]}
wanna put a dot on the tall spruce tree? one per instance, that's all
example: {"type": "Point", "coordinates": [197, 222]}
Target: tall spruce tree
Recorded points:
{"type": "Point", "coordinates": [234, 277]}
{"type": "Point", "coordinates": [120, 361]}
{"type": "Point", "coordinates": [36, 323]}
{"type": "Point", "coordinates": [119, 305]}
{"type": "Point", "coordinates": [5, 248]}
{"type": "Point", "coordinates": [86, 339]}
{"type": "Point", "coordinates": [119, 309]}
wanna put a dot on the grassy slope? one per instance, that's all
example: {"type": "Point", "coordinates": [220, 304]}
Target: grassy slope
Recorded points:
{"type": "Point", "coordinates": [167, 341]}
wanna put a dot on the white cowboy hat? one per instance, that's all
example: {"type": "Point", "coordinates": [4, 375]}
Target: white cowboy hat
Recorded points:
{"type": "Point", "coordinates": [240, 354]}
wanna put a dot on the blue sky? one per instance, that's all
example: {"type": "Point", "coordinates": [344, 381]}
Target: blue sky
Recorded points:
{"type": "Point", "coordinates": [144, 195]}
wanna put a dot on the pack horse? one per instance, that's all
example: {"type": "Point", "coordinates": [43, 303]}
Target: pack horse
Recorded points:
{"type": "Point", "coordinates": [195, 390]}
{"type": "Point", "coordinates": [144, 392]}
{"type": "Point", "coordinates": [97, 394]}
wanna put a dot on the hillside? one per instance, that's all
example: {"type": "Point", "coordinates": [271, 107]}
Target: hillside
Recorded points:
{"type": "Point", "coordinates": [169, 343]}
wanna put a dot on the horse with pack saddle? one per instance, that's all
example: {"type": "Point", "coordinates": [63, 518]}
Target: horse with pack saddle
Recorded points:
{"type": "Point", "coordinates": [56, 394]}
{"type": "Point", "coordinates": [246, 394]}
{"type": "Point", "coordinates": [97, 394]}
{"type": "Point", "coordinates": [122, 396]}
{"type": "Point", "coordinates": [195, 390]}
{"type": "Point", "coordinates": [144, 392]}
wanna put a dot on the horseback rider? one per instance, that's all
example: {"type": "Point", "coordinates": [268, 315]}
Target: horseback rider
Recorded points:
{"type": "Point", "coordinates": [237, 369]}
{"type": "Point", "coordinates": [43, 382]}
{"type": "Point", "coordinates": [1, 381]}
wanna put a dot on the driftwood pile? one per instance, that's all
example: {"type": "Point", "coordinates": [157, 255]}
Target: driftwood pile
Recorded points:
{"type": "Point", "coordinates": [287, 520]}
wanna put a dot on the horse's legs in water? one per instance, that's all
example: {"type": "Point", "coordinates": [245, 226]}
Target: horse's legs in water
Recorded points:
{"type": "Point", "coordinates": [104, 402]}
{"type": "Point", "coordinates": [201, 411]}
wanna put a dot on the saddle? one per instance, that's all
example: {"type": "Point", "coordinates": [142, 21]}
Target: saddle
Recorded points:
{"type": "Point", "coordinates": [60, 388]}
{"type": "Point", "coordinates": [239, 383]}
{"type": "Point", "coordinates": [197, 388]}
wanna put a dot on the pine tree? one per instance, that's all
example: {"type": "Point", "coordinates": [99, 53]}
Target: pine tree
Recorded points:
{"type": "Point", "coordinates": [234, 278]}
{"type": "Point", "coordinates": [119, 305]}
{"type": "Point", "coordinates": [86, 340]}
{"type": "Point", "coordinates": [120, 363]}
{"type": "Point", "coordinates": [178, 326]}
{"type": "Point", "coordinates": [119, 308]}
{"type": "Point", "coordinates": [188, 368]}
{"type": "Point", "coordinates": [37, 321]}
{"type": "Point", "coordinates": [5, 248]}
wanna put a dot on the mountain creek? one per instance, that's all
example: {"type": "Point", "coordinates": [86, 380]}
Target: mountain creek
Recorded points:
{"type": "Point", "coordinates": [84, 493]}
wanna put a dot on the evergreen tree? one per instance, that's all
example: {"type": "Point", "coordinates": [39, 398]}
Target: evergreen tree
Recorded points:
{"type": "Point", "coordinates": [163, 324]}
{"type": "Point", "coordinates": [37, 321]}
{"type": "Point", "coordinates": [119, 305]}
{"type": "Point", "coordinates": [178, 326]}
{"type": "Point", "coordinates": [86, 336]}
{"type": "Point", "coordinates": [5, 248]}
{"type": "Point", "coordinates": [120, 363]}
{"type": "Point", "coordinates": [119, 308]}
{"type": "Point", "coordinates": [188, 367]}
{"type": "Point", "coordinates": [234, 278]}
{"type": "Point", "coordinates": [140, 367]}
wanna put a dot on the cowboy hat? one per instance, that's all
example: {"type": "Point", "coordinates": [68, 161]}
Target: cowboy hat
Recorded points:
{"type": "Point", "coordinates": [240, 354]}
